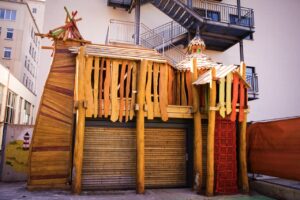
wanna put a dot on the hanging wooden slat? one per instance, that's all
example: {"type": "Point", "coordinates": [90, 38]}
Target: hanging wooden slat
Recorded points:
{"type": "Point", "coordinates": [133, 90]}
{"type": "Point", "coordinates": [128, 81]}
{"type": "Point", "coordinates": [183, 92]}
{"type": "Point", "coordinates": [107, 85]}
{"type": "Point", "coordinates": [163, 91]}
{"type": "Point", "coordinates": [178, 92]}
{"type": "Point", "coordinates": [101, 87]}
{"type": "Point", "coordinates": [96, 84]}
{"type": "Point", "coordinates": [234, 96]}
{"type": "Point", "coordinates": [150, 113]}
{"type": "Point", "coordinates": [155, 88]}
{"type": "Point", "coordinates": [122, 77]}
{"type": "Point", "coordinates": [170, 85]}
{"type": "Point", "coordinates": [228, 93]}
{"type": "Point", "coordinates": [222, 97]}
{"type": "Point", "coordinates": [114, 91]}
{"type": "Point", "coordinates": [188, 82]}
{"type": "Point", "coordinates": [88, 87]}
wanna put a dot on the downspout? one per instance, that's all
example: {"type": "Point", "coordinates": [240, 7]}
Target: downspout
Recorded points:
{"type": "Point", "coordinates": [239, 20]}
{"type": "Point", "coordinates": [137, 21]}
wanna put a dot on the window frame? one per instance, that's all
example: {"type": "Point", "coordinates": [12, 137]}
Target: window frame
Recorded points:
{"type": "Point", "coordinates": [10, 107]}
{"type": "Point", "coordinates": [7, 50]}
{"type": "Point", "coordinates": [9, 31]}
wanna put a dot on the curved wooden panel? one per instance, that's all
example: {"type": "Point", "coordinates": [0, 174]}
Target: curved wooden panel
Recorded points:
{"type": "Point", "coordinates": [51, 146]}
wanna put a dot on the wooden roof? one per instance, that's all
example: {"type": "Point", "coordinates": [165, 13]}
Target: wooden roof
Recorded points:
{"type": "Point", "coordinates": [122, 52]}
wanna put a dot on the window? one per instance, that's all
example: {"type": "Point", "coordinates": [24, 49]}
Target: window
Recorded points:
{"type": "Point", "coordinates": [10, 107]}
{"type": "Point", "coordinates": [234, 19]}
{"type": "Point", "coordinates": [210, 14]}
{"type": "Point", "coordinates": [1, 96]}
{"type": "Point", "coordinates": [20, 111]}
{"type": "Point", "coordinates": [34, 10]}
{"type": "Point", "coordinates": [27, 107]}
{"type": "Point", "coordinates": [8, 14]}
{"type": "Point", "coordinates": [7, 52]}
{"type": "Point", "coordinates": [10, 33]}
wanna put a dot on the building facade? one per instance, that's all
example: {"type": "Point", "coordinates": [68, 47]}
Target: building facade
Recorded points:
{"type": "Point", "coordinates": [19, 47]}
{"type": "Point", "coordinates": [17, 103]}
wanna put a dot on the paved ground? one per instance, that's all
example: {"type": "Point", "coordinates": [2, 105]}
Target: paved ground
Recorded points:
{"type": "Point", "coordinates": [10, 191]}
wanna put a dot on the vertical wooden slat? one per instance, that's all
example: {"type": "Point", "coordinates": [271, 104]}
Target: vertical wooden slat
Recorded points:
{"type": "Point", "coordinates": [183, 92]}
{"type": "Point", "coordinates": [96, 84]}
{"type": "Point", "coordinates": [150, 113]}
{"type": "Point", "coordinates": [210, 136]}
{"type": "Point", "coordinates": [242, 144]}
{"type": "Point", "coordinates": [228, 93]}
{"type": "Point", "coordinates": [128, 81]}
{"type": "Point", "coordinates": [107, 85]}
{"type": "Point", "coordinates": [140, 126]}
{"type": "Point", "coordinates": [188, 80]}
{"type": "Point", "coordinates": [163, 91]}
{"type": "Point", "coordinates": [122, 77]}
{"type": "Point", "coordinates": [178, 86]}
{"type": "Point", "coordinates": [88, 87]}
{"type": "Point", "coordinates": [170, 85]}
{"type": "Point", "coordinates": [198, 174]}
{"type": "Point", "coordinates": [101, 87]}
{"type": "Point", "coordinates": [133, 90]}
{"type": "Point", "coordinates": [80, 124]}
{"type": "Point", "coordinates": [114, 91]}
{"type": "Point", "coordinates": [155, 88]}
{"type": "Point", "coordinates": [222, 97]}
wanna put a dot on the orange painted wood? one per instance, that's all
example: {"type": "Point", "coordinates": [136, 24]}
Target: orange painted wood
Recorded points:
{"type": "Point", "coordinates": [170, 85]}
{"type": "Point", "coordinates": [155, 88]}
{"type": "Point", "coordinates": [128, 81]}
{"type": "Point", "coordinates": [188, 81]}
{"type": "Point", "coordinates": [101, 87]}
{"type": "Point", "coordinates": [163, 91]}
{"type": "Point", "coordinates": [235, 94]}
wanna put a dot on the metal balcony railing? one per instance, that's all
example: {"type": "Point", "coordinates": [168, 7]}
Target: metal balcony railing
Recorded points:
{"type": "Point", "coordinates": [222, 12]}
{"type": "Point", "coordinates": [124, 32]}
{"type": "Point", "coordinates": [252, 79]}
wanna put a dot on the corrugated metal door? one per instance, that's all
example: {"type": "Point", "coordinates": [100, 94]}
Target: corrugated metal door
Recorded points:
{"type": "Point", "coordinates": [109, 158]}
{"type": "Point", "coordinates": [165, 157]}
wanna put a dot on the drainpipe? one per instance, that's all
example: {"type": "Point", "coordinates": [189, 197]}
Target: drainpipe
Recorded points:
{"type": "Point", "coordinates": [239, 20]}
{"type": "Point", "coordinates": [189, 3]}
{"type": "Point", "coordinates": [137, 21]}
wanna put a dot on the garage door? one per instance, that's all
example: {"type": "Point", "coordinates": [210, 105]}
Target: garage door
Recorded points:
{"type": "Point", "coordinates": [109, 158]}
{"type": "Point", "coordinates": [165, 157]}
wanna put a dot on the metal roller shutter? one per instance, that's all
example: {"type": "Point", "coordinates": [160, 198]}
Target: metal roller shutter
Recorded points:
{"type": "Point", "coordinates": [109, 158]}
{"type": "Point", "coordinates": [165, 157]}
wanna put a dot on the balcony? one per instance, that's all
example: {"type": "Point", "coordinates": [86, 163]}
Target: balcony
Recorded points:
{"type": "Point", "coordinates": [252, 79]}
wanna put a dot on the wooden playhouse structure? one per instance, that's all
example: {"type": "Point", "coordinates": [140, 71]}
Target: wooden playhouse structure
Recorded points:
{"type": "Point", "coordinates": [119, 117]}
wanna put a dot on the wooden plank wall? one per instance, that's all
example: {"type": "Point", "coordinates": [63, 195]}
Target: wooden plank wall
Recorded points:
{"type": "Point", "coordinates": [51, 146]}
{"type": "Point", "coordinates": [111, 90]}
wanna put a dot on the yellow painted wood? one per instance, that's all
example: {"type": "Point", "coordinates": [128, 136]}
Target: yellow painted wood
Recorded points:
{"type": "Point", "coordinates": [88, 87]}
{"type": "Point", "coordinates": [155, 89]}
{"type": "Point", "coordinates": [140, 126]}
{"type": "Point", "coordinates": [107, 87]}
{"type": "Point", "coordinates": [228, 93]}
{"type": "Point", "coordinates": [150, 112]}
{"type": "Point", "coordinates": [114, 91]}
{"type": "Point", "coordinates": [96, 85]}
{"type": "Point", "coordinates": [80, 124]}
{"type": "Point", "coordinates": [210, 137]}
{"type": "Point", "coordinates": [128, 81]}
{"type": "Point", "coordinates": [122, 78]}
{"type": "Point", "coordinates": [133, 91]}
{"type": "Point", "coordinates": [163, 91]}
{"type": "Point", "coordinates": [101, 90]}
{"type": "Point", "coordinates": [222, 97]}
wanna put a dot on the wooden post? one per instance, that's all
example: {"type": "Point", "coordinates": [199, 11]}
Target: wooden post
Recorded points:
{"type": "Point", "coordinates": [80, 121]}
{"type": "Point", "coordinates": [140, 126]}
{"type": "Point", "coordinates": [198, 175]}
{"type": "Point", "coordinates": [242, 144]}
{"type": "Point", "coordinates": [211, 136]}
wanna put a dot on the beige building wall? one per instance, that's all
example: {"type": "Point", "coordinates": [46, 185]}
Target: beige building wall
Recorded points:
{"type": "Point", "coordinates": [23, 27]}
{"type": "Point", "coordinates": [274, 50]}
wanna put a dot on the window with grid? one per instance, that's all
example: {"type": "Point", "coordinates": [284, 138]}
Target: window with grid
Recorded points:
{"type": "Point", "coordinates": [10, 33]}
{"type": "Point", "coordinates": [7, 52]}
{"type": "Point", "coordinates": [10, 107]}
{"type": "Point", "coordinates": [8, 14]}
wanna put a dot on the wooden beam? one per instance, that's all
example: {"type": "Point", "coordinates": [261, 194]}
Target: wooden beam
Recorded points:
{"type": "Point", "coordinates": [80, 123]}
{"type": "Point", "coordinates": [210, 137]}
{"type": "Point", "coordinates": [163, 91]}
{"type": "Point", "coordinates": [197, 130]}
{"type": "Point", "coordinates": [140, 126]}
{"type": "Point", "coordinates": [114, 91]}
{"type": "Point", "coordinates": [242, 144]}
